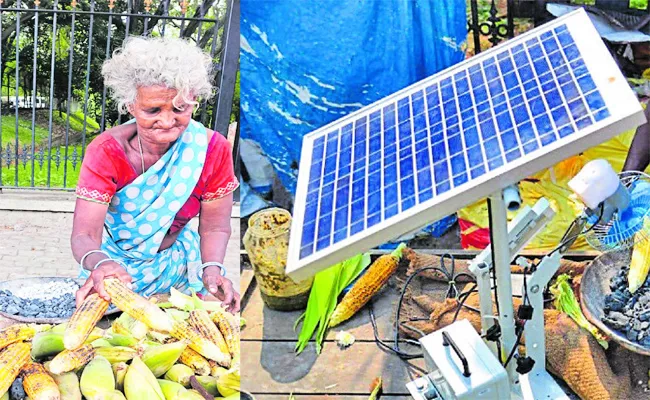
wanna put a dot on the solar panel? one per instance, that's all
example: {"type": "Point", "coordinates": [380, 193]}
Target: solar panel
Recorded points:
{"type": "Point", "coordinates": [454, 138]}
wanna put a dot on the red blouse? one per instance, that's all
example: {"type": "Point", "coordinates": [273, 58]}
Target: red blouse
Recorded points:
{"type": "Point", "coordinates": [106, 169]}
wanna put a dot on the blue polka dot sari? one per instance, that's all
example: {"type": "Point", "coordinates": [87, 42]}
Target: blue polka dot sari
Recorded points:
{"type": "Point", "coordinates": [141, 213]}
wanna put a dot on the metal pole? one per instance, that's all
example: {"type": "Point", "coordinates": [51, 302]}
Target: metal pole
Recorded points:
{"type": "Point", "coordinates": [36, 4]}
{"type": "Point", "coordinates": [501, 263]}
{"type": "Point", "coordinates": [49, 136]}
{"type": "Point", "coordinates": [230, 65]}
{"type": "Point", "coordinates": [90, 49]}
{"type": "Point", "coordinates": [108, 49]}
{"type": "Point", "coordinates": [67, 124]}
{"type": "Point", "coordinates": [17, 75]}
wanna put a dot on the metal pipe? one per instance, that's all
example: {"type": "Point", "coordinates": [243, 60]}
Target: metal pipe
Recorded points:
{"type": "Point", "coordinates": [512, 198]}
{"type": "Point", "coordinates": [34, 87]}
{"type": "Point", "coordinates": [90, 50]}
{"type": "Point", "coordinates": [17, 87]}
{"type": "Point", "coordinates": [67, 124]}
{"type": "Point", "coordinates": [49, 136]}
{"type": "Point", "coordinates": [501, 262]}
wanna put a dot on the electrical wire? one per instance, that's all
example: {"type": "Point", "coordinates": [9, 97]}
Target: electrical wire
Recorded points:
{"type": "Point", "coordinates": [577, 235]}
{"type": "Point", "coordinates": [452, 292]}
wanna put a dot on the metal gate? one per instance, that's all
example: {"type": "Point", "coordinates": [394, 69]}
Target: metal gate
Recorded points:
{"type": "Point", "coordinates": [52, 98]}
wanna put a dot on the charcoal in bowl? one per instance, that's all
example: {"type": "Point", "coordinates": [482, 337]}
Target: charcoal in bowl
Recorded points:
{"type": "Point", "coordinates": [16, 392]}
{"type": "Point", "coordinates": [58, 307]}
{"type": "Point", "coordinates": [626, 312]}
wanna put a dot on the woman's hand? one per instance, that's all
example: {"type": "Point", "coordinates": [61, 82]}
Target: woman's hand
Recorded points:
{"type": "Point", "coordinates": [95, 282]}
{"type": "Point", "coordinates": [221, 288]}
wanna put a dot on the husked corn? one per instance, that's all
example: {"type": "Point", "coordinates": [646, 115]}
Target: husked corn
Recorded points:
{"type": "Point", "coordinates": [183, 331]}
{"type": "Point", "coordinates": [369, 283]}
{"type": "Point", "coordinates": [83, 321]}
{"type": "Point", "coordinates": [38, 384]}
{"type": "Point", "coordinates": [195, 361]}
{"type": "Point", "coordinates": [200, 319]}
{"type": "Point", "coordinates": [137, 306]}
{"type": "Point", "coordinates": [12, 359]}
{"type": "Point", "coordinates": [69, 360]}
{"type": "Point", "coordinates": [20, 332]}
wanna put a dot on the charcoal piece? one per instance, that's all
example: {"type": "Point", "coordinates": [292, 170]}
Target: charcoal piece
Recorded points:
{"type": "Point", "coordinates": [12, 309]}
{"type": "Point", "coordinates": [617, 320]}
{"type": "Point", "coordinates": [632, 335]}
{"type": "Point", "coordinates": [16, 391]}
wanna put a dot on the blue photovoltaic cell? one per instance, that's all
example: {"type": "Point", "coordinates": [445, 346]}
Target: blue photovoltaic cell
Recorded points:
{"type": "Point", "coordinates": [441, 136]}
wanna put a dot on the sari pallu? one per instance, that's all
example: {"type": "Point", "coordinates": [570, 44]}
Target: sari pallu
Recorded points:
{"type": "Point", "coordinates": [141, 213]}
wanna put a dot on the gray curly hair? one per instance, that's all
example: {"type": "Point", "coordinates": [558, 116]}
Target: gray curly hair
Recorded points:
{"type": "Point", "coordinates": [171, 62]}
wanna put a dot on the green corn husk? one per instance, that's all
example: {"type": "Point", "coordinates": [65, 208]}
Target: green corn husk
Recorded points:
{"type": "Point", "coordinates": [139, 382]}
{"type": "Point", "coordinates": [228, 384]}
{"type": "Point", "coordinates": [96, 378]}
{"type": "Point", "coordinates": [112, 395]}
{"type": "Point", "coordinates": [170, 389]}
{"type": "Point", "coordinates": [376, 390]}
{"type": "Point", "coordinates": [5, 396]}
{"type": "Point", "coordinates": [328, 285]}
{"type": "Point", "coordinates": [68, 384]}
{"type": "Point", "coordinates": [116, 354]}
{"type": "Point", "coordinates": [190, 395]}
{"type": "Point", "coordinates": [161, 358]}
{"type": "Point", "coordinates": [47, 344]}
{"type": "Point", "coordinates": [119, 371]}
{"type": "Point", "coordinates": [565, 301]}
{"type": "Point", "coordinates": [177, 315]}
{"type": "Point", "coordinates": [209, 383]}
{"type": "Point", "coordinates": [159, 337]}
{"type": "Point", "coordinates": [180, 373]}
{"type": "Point", "coordinates": [101, 342]}
{"type": "Point", "coordinates": [116, 339]}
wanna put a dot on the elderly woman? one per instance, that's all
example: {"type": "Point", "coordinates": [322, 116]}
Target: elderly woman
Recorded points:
{"type": "Point", "coordinates": [142, 182]}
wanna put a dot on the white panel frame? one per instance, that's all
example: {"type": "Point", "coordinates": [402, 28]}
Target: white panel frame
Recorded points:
{"type": "Point", "coordinates": [625, 113]}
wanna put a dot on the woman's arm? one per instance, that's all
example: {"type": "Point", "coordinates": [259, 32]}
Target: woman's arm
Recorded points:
{"type": "Point", "coordinates": [87, 228]}
{"type": "Point", "coordinates": [214, 229]}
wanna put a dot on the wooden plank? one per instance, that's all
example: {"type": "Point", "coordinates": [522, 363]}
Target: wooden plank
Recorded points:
{"type": "Point", "coordinates": [263, 323]}
{"type": "Point", "coordinates": [285, 396]}
{"type": "Point", "coordinates": [274, 368]}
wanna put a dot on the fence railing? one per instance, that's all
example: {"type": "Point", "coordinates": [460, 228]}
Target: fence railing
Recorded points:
{"type": "Point", "coordinates": [53, 101]}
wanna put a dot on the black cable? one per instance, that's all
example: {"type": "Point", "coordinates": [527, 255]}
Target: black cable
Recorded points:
{"type": "Point", "coordinates": [514, 348]}
{"type": "Point", "coordinates": [574, 237]}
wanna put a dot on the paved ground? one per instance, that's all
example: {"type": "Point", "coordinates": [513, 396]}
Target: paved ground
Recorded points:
{"type": "Point", "coordinates": [37, 243]}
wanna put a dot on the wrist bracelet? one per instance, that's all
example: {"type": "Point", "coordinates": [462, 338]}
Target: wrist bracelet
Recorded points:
{"type": "Point", "coordinates": [81, 263]}
{"type": "Point", "coordinates": [103, 261]}
{"type": "Point", "coordinates": [210, 264]}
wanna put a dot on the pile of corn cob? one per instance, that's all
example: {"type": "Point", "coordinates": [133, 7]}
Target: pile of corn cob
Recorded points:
{"type": "Point", "coordinates": [149, 352]}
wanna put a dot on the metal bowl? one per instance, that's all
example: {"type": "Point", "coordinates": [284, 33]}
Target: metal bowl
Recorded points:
{"type": "Point", "coordinates": [593, 289]}
{"type": "Point", "coordinates": [14, 284]}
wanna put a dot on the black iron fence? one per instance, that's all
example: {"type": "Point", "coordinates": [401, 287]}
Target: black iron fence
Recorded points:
{"type": "Point", "coordinates": [53, 101]}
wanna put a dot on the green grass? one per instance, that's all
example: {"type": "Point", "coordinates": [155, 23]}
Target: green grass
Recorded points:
{"type": "Point", "coordinates": [24, 131]}
{"type": "Point", "coordinates": [40, 174]}
{"type": "Point", "coordinates": [76, 121]}
{"type": "Point", "coordinates": [639, 4]}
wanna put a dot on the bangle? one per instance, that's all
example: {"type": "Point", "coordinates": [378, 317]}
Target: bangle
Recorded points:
{"type": "Point", "coordinates": [81, 263]}
{"type": "Point", "coordinates": [211, 264]}
{"type": "Point", "coordinates": [102, 261]}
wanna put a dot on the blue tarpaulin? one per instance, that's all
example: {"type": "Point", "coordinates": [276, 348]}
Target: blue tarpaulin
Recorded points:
{"type": "Point", "coordinates": [307, 63]}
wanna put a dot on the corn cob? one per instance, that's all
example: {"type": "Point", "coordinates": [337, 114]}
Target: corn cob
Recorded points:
{"type": "Point", "coordinates": [38, 384]}
{"type": "Point", "coordinates": [183, 331]}
{"type": "Point", "coordinates": [216, 370]}
{"type": "Point", "coordinates": [68, 384]}
{"type": "Point", "coordinates": [83, 321]}
{"type": "Point", "coordinates": [190, 395]}
{"type": "Point", "coordinates": [110, 395]}
{"type": "Point", "coordinates": [116, 339]}
{"type": "Point", "coordinates": [369, 283]}
{"type": "Point", "coordinates": [161, 358]}
{"type": "Point", "coordinates": [137, 306]}
{"type": "Point", "coordinates": [119, 371]}
{"type": "Point", "coordinates": [640, 262]}
{"type": "Point", "coordinates": [5, 396]}
{"type": "Point", "coordinates": [230, 331]}
{"type": "Point", "coordinates": [20, 332]}
{"type": "Point", "coordinates": [200, 319]}
{"type": "Point", "coordinates": [96, 378]}
{"type": "Point", "coordinates": [171, 390]}
{"type": "Point", "coordinates": [69, 360]}
{"type": "Point", "coordinates": [194, 360]}
{"type": "Point", "coordinates": [139, 383]}
{"type": "Point", "coordinates": [12, 359]}
{"type": "Point", "coordinates": [180, 373]}
{"type": "Point", "coordinates": [228, 384]}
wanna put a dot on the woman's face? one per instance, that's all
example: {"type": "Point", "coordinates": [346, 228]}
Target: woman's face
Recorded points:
{"type": "Point", "coordinates": [157, 119]}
